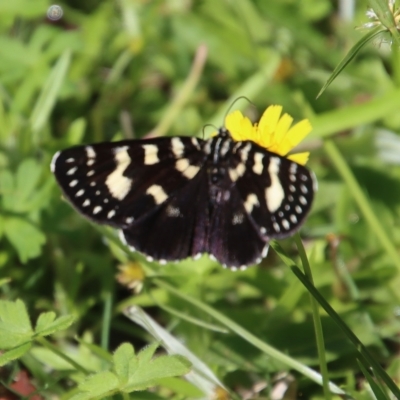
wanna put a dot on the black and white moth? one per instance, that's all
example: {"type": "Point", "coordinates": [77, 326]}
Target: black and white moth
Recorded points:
{"type": "Point", "coordinates": [178, 197]}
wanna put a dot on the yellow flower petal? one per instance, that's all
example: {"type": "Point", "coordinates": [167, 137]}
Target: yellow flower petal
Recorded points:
{"type": "Point", "coordinates": [300, 158]}
{"type": "Point", "coordinates": [239, 126]}
{"type": "Point", "coordinates": [269, 119]}
{"type": "Point", "coordinates": [280, 137]}
{"type": "Point", "coordinates": [273, 132]}
{"type": "Point", "coordinates": [299, 131]}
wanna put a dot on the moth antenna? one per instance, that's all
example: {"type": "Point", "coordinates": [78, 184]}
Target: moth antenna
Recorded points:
{"type": "Point", "coordinates": [206, 126]}
{"type": "Point", "coordinates": [235, 101]}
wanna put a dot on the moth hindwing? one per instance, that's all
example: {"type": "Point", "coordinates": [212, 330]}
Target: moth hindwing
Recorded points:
{"type": "Point", "coordinates": [178, 197]}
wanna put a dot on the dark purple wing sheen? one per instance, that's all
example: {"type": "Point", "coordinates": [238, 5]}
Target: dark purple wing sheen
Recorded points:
{"type": "Point", "coordinates": [178, 228]}
{"type": "Point", "coordinates": [234, 239]}
{"type": "Point", "coordinates": [276, 192]}
{"type": "Point", "coordinates": [117, 183]}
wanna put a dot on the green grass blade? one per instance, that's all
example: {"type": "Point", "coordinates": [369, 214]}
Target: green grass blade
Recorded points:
{"type": "Point", "coordinates": [249, 337]}
{"type": "Point", "coordinates": [49, 93]}
{"type": "Point", "coordinates": [378, 392]}
{"type": "Point", "coordinates": [330, 122]}
{"type": "Point", "coordinates": [319, 334]}
{"type": "Point", "coordinates": [364, 354]}
{"type": "Point", "coordinates": [362, 202]}
{"type": "Point", "coordinates": [350, 55]}
{"type": "Point", "coordinates": [250, 89]}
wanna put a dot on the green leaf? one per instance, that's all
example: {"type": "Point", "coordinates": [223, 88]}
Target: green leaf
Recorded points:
{"type": "Point", "coordinates": [125, 361]}
{"type": "Point", "coordinates": [6, 182]}
{"type": "Point", "coordinates": [15, 326]}
{"type": "Point", "coordinates": [47, 324]}
{"type": "Point", "coordinates": [48, 96]}
{"type": "Point", "coordinates": [98, 385]}
{"type": "Point", "coordinates": [27, 177]}
{"type": "Point", "coordinates": [379, 394]}
{"type": "Point", "coordinates": [350, 55]}
{"type": "Point", "coordinates": [147, 353]}
{"type": "Point", "coordinates": [76, 131]}
{"type": "Point", "coordinates": [14, 353]}
{"type": "Point", "coordinates": [1, 227]}
{"type": "Point", "coordinates": [161, 367]}
{"type": "Point", "coordinates": [26, 238]}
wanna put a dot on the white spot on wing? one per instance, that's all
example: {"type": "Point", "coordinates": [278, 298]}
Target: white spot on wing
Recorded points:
{"type": "Point", "coordinates": [285, 224]}
{"type": "Point", "coordinates": [86, 203]}
{"type": "Point", "coordinates": [53, 161]}
{"type": "Point", "coordinates": [73, 183]}
{"type": "Point", "coordinates": [91, 155]}
{"type": "Point", "coordinates": [304, 189]}
{"type": "Point", "coordinates": [150, 154]}
{"type": "Point", "coordinates": [72, 170]}
{"type": "Point", "coordinates": [111, 214]}
{"type": "Point", "coordinates": [244, 152]}
{"type": "Point", "coordinates": [195, 142]}
{"type": "Point", "coordinates": [303, 200]}
{"type": "Point", "coordinates": [207, 147]}
{"type": "Point", "coordinates": [250, 202]}
{"type": "Point", "coordinates": [298, 209]}
{"type": "Point", "coordinates": [258, 166]}
{"type": "Point", "coordinates": [79, 193]}
{"type": "Point", "coordinates": [224, 148]}
{"type": "Point", "coordinates": [276, 227]}
{"type": "Point", "coordinates": [274, 194]}
{"type": "Point", "coordinates": [293, 218]}
{"type": "Point", "coordinates": [189, 171]}
{"type": "Point", "coordinates": [118, 184]}
{"type": "Point", "coordinates": [122, 237]}
{"type": "Point", "coordinates": [236, 173]}
{"type": "Point", "coordinates": [129, 220]}
{"type": "Point", "coordinates": [90, 173]}
{"type": "Point", "coordinates": [97, 209]}
{"type": "Point", "coordinates": [69, 160]}
{"type": "Point", "coordinates": [177, 147]}
{"type": "Point", "coordinates": [158, 193]}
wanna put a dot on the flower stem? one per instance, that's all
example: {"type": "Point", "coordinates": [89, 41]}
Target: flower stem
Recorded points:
{"type": "Point", "coordinates": [319, 335]}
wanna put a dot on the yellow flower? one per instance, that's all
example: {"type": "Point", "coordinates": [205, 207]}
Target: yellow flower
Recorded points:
{"type": "Point", "coordinates": [274, 132]}
{"type": "Point", "coordinates": [131, 275]}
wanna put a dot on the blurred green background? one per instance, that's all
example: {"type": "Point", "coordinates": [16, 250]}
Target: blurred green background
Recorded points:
{"type": "Point", "coordinates": [110, 70]}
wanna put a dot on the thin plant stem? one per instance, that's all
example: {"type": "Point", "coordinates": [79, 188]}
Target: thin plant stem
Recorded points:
{"type": "Point", "coordinates": [45, 343]}
{"type": "Point", "coordinates": [361, 200]}
{"type": "Point", "coordinates": [250, 338]}
{"type": "Point", "coordinates": [319, 335]}
{"type": "Point", "coordinates": [184, 94]}
{"type": "Point", "coordinates": [106, 321]}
